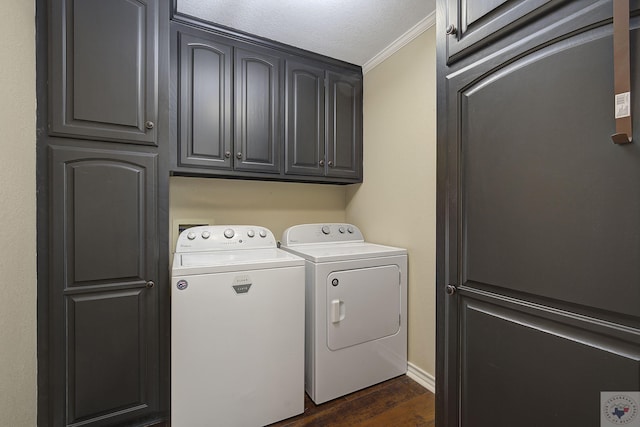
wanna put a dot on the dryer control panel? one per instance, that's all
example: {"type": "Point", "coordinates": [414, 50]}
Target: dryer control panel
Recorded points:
{"type": "Point", "coordinates": [321, 233]}
{"type": "Point", "coordinates": [225, 238]}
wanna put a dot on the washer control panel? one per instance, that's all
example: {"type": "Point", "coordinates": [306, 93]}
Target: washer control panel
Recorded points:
{"type": "Point", "coordinates": [224, 238]}
{"type": "Point", "coordinates": [321, 233]}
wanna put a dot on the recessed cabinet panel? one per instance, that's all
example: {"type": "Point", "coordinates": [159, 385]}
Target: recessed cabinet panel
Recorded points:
{"type": "Point", "coordinates": [104, 70]}
{"type": "Point", "coordinates": [96, 225]}
{"type": "Point", "coordinates": [510, 358]}
{"type": "Point", "coordinates": [106, 213]}
{"type": "Point", "coordinates": [305, 135]}
{"type": "Point", "coordinates": [529, 204]}
{"type": "Point", "coordinates": [258, 118]}
{"type": "Point", "coordinates": [344, 125]}
{"type": "Point", "coordinates": [204, 98]}
{"type": "Point", "coordinates": [106, 357]}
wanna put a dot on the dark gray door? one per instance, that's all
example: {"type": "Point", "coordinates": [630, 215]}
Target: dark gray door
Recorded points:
{"type": "Point", "coordinates": [258, 118]}
{"type": "Point", "coordinates": [538, 282]}
{"type": "Point", "coordinates": [344, 125]}
{"type": "Point", "coordinates": [204, 98]}
{"type": "Point", "coordinates": [104, 364]}
{"type": "Point", "coordinates": [103, 70]}
{"type": "Point", "coordinates": [305, 120]}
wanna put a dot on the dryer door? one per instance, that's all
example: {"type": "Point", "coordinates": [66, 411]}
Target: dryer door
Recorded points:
{"type": "Point", "coordinates": [362, 305]}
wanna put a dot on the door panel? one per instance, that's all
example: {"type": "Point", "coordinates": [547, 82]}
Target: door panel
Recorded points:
{"type": "Point", "coordinates": [107, 353]}
{"type": "Point", "coordinates": [525, 362]}
{"type": "Point", "coordinates": [258, 116]}
{"type": "Point", "coordinates": [204, 101]}
{"type": "Point", "coordinates": [104, 81]}
{"type": "Point", "coordinates": [344, 125]}
{"type": "Point", "coordinates": [305, 131]}
{"type": "Point", "coordinates": [115, 251]}
{"type": "Point", "coordinates": [550, 205]}
{"type": "Point", "coordinates": [104, 249]}
{"type": "Point", "coordinates": [362, 305]}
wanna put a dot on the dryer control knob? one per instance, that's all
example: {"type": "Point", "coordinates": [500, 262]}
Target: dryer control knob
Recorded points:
{"type": "Point", "coordinates": [251, 233]}
{"type": "Point", "coordinates": [263, 233]}
{"type": "Point", "coordinates": [229, 233]}
{"type": "Point", "coordinates": [350, 230]}
{"type": "Point", "coordinates": [206, 234]}
{"type": "Point", "coordinates": [326, 229]}
{"type": "Point", "coordinates": [341, 230]}
{"type": "Point", "coordinates": [191, 235]}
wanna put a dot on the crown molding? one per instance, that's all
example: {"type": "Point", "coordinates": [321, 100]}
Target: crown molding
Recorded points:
{"type": "Point", "coordinates": [422, 26]}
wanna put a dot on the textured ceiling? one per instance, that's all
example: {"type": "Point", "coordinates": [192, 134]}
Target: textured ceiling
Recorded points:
{"type": "Point", "coordinates": [351, 30]}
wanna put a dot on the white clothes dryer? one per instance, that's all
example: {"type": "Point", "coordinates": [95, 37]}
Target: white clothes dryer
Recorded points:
{"type": "Point", "coordinates": [355, 309]}
{"type": "Point", "coordinates": [237, 329]}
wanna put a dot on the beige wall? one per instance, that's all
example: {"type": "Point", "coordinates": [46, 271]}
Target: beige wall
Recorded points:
{"type": "Point", "coordinates": [275, 205]}
{"type": "Point", "coordinates": [18, 213]}
{"type": "Point", "coordinates": [395, 205]}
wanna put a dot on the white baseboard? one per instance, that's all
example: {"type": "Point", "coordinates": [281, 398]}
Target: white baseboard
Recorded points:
{"type": "Point", "coordinates": [423, 378]}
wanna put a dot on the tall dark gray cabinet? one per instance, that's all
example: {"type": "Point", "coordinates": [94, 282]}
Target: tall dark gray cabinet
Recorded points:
{"type": "Point", "coordinates": [102, 212]}
{"type": "Point", "coordinates": [538, 280]}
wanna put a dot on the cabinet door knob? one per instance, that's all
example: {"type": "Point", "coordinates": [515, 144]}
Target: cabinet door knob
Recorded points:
{"type": "Point", "coordinates": [227, 154]}
{"type": "Point", "coordinates": [150, 284]}
{"type": "Point", "coordinates": [239, 155]}
{"type": "Point", "coordinates": [451, 30]}
{"type": "Point", "coordinates": [149, 124]}
{"type": "Point", "coordinates": [321, 162]}
{"type": "Point", "coordinates": [450, 289]}
{"type": "Point", "coordinates": [330, 163]}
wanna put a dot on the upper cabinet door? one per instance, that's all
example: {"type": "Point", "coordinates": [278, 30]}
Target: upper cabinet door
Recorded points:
{"type": "Point", "coordinates": [258, 118]}
{"type": "Point", "coordinates": [104, 70]}
{"type": "Point", "coordinates": [305, 126]}
{"type": "Point", "coordinates": [204, 100]}
{"type": "Point", "coordinates": [344, 125]}
{"type": "Point", "coordinates": [473, 23]}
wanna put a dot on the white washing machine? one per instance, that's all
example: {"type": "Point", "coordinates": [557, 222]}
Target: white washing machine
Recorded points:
{"type": "Point", "coordinates": [355, 309]}
{"type": "Point", "coordinates": [237, 329]}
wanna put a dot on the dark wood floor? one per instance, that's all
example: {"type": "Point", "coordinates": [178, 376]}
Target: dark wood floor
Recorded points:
{"type": "Point", "coordinates": [394, 403]}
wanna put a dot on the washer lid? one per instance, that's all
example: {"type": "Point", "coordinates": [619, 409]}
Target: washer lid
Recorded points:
{"type": "Point", "coordinates": [330, 252]}
{"type": "Point", "coordinates": [224, 261]}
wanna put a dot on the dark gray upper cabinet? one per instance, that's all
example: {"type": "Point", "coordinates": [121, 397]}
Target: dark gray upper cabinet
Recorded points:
{"type": "Point", "coordinates": [324, 122]}
{"type": "Point", "coordinates": [103, 70]}
{"type": "Point", "coordinates": [204, 100]}
{"type": "Point", "coordinates": [344, 125]}
{"type": "Point", "coordinates": [258, 110]}
{"type": "Point", "coordinates": [228, 104]}
{"type": "Point", "coordinates": [305, 112]}
{"type": "Point", "coordinates": [245, 107]}
{"type": "Point", "coordinates": [472, 24]}
{"type": "Point", "coordinates": [103, 310]}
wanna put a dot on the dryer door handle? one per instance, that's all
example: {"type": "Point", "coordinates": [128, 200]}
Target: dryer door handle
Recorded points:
{"type": "Point", "coordinates": [337, 311]}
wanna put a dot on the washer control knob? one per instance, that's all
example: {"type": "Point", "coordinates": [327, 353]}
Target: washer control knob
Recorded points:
{"type": "Point", "coordinates": [326, 229]}
{"type": "Point", "coordinates": [206, 234]}
{"type": "Point", "coordinates": [263, 233]}
{"type": "Point", "coordinates": [341, 230]}
{"type": "Point", "coordinates": [350, 230]}
{"type": "Point", "coordinates": [229, 233]}
{"type": "Point", "coordinates": [191, 235]}
{"type": "Point", "coordinates": [251, 233]}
